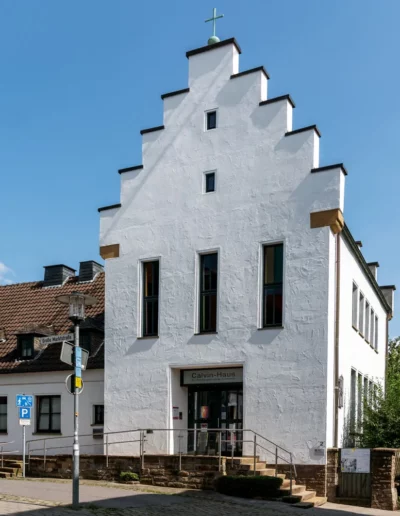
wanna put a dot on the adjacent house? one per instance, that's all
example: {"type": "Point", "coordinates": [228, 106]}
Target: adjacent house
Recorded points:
{"type": "Point", "coordinates": [28, 312]}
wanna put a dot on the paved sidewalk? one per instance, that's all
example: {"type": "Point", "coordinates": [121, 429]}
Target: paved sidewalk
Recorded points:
{"type": "Point", "coordinates": [51, 498]}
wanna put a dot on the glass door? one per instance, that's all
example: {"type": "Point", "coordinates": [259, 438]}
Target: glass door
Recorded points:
{"type": "Point", "coordinates": [215, 408]}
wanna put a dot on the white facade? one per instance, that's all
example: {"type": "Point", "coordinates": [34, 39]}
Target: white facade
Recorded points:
{"type": "Point", "coordinates": [53, 384]}
{"type": "Point", "coordinates": [265, 192]}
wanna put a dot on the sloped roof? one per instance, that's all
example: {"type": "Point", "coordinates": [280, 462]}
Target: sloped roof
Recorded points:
{"type": "Point", "coordinates": [33, 308]}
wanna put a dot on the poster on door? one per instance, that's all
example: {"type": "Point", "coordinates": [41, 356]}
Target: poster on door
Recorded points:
{"type": "Point", "coordinates": [175, 412]}
{"type": "Point", "coordinates": [204, 412]}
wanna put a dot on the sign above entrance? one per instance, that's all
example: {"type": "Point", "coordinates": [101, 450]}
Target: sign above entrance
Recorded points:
{"type": "Point", "coordinates": [210, 376]}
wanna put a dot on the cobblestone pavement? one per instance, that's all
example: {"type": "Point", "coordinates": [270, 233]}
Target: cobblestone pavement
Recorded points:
{"type": "Point", "coordinates": [144, 501]}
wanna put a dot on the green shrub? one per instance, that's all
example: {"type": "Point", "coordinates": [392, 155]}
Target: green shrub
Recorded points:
{"type": "Point", "coordinates": [128, 476]}
{"type": "Point", "coordinates": [249, 487]}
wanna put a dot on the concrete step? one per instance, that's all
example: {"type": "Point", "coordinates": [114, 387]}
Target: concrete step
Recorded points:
{"type": "Point", "coordinates": [264, 473]}
{"type": "Point", "coordinates": [298, 490]}
{"type": "Point", "coordinates": [242, 460]}
{"type": "Point", "coordinates": [13, 471]}
{"type": "Point", "coordinates": [4, 474]}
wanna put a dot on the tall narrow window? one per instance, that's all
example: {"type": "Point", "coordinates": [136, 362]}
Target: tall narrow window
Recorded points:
{"type": "Point", "coordinates": [208, 292]}
{"type": "Point", "coordinates": [361, 309]}
{"type": "Point", "coordinates": [359, 401]}
{"type": "Point", "coordinates": [273, 277]}
{"type": "Point", "coordinates": [3, 414]}
{"type": "Point", "coordinates": [210, 182]}
{"type": "Point", "coordinates": [372, 341]}
{"type": "Point", "coordinates": [365, 394]}
{"type": "Point", "coordinates": [376, 333]}
{"type": "Point", "coordinates": [211, 120]}
{"type": "Point", "coordinates": [98, 414]}
{"type": "Point", "coordinates": [353, 389]}
{"type": "Point", "coordinates": [355, 307]}
{"type": "Point", "coordinates": [367, 323]}
{"type": "Point", "coordinates": [150, 298]}
{"type": "Point", "coordinates": [48, 414]}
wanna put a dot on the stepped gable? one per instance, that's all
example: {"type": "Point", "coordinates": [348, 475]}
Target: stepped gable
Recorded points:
{"type": "Point", "coordinates": [32, 308]}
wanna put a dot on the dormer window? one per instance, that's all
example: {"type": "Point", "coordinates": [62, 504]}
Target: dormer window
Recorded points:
{"type": "Point", "coordinates": [25, 346]}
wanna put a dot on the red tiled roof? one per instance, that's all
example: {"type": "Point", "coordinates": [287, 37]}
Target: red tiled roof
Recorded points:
{"type": "Point", "coordinates": [30, 307]}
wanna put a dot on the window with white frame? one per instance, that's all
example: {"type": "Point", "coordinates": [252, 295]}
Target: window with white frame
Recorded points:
{"type": "Point", "coordinates": [3, 414]}
{"type": "Point", "coordinates": [361, 310]}
{"type": "Point", "coordinates": [353, 389]}
{"type": "Point", "coordinates": [367, 321]}
{"type": "Point", "coordinates": [355, 307]}
{"type": "Point", "coordinates": [376, 333]}
{"type": "Point", "coordinates": [359, 400]}
{"type": "Point", "coordinates": [372, 340]}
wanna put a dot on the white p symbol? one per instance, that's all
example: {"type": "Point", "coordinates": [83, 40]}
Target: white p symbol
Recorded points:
{"type": "Point", "coordinates": [24, 412]}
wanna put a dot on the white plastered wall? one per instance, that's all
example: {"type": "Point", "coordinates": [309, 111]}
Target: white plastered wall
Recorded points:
{"type": "Point", "coordinates": [265, 193]}
{"type": "Point", "coordinates": [53, 383]}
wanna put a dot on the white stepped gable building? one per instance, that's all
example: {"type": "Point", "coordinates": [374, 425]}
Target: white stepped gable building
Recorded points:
{"type": "Point", "coordinates": [231, 277]}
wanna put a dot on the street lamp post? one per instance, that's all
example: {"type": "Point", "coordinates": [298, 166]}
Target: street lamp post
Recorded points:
{"type": "Point", "coordinates": [77, 302]}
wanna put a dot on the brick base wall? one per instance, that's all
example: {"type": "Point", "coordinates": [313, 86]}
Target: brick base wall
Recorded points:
{"type": "Point", "coordinates": [161, 470]}
{"type": "Point", "coordinates": [383, 491]}
{"type": "Point", "coordinates": [312, 476]}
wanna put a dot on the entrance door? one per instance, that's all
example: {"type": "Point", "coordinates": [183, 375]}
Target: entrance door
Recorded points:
{"type": "Point", "coordinates": [211, 408]}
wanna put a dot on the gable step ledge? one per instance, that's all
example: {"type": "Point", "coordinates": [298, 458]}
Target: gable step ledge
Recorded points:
{"type": "Point", "coordinates": [303, 129]}
{"type": "Point", "coordinates": [129, 169]}
{"type": "Point", "coordinates": [252, 70]}
{"type": "Point", "coordinates": [152, 129]}
{"type": "Point", "coordinates": [330, 167]}
{"type": "Point", "coordinates": [173, 93]}
{"type": "Point", "coordinates": [111, 207]}
{"type": "Point", "coordinates": [278, 99]}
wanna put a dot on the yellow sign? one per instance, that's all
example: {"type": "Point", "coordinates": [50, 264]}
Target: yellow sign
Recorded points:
{"type": "Point", "coordinates": [78, 382]}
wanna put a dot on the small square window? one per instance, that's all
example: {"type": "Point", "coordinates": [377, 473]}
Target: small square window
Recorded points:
{"type": "Point", "coordinates": [211, 120]}
{"type": "Point", "coordinates": [210, 182]}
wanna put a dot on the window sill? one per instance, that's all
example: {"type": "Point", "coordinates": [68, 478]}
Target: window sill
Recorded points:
{"type": "Point", "coordinates": [97, 424]}
{"type": "Point", "coordinates": [271, 328]}
{"type": "Point", "coordinates": [3, 432]}
{"type": "Point", "coordinates": [354, 328]}
{"type": "Point", "coordinates": [148, 337]}
{"type": "Point", "coordinates": [207, 333]}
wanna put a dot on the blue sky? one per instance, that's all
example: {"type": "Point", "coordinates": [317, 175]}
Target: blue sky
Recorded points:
{"type": "Point", "coordinates": [79, 79]}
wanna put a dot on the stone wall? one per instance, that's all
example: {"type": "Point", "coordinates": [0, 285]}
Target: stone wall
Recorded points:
{"type": "Point", "coordinates": [383, 491]}
{"type": "Point", "coordinates": [314, 477]}
{"type": "Point", "coordinates": [162, 470]}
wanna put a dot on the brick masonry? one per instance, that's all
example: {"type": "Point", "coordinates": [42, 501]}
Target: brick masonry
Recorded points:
{"type": "Point", "coordinates": [161, 470]}
{"type": "Point", "coordinates": [312, 476]}
{"type": "Point", "coordinates": [383, 491]}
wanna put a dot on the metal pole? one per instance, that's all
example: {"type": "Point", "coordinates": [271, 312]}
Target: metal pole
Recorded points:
{"type": "Point", "coordinates": [180, 451]}
{"type": "Point", "coordinates": [255, 455]}
{"type": "Point", "coordinates": [23, 450]}
{"type": "Point", "coordinates": [276, 461]}
{"type": "Point", "coordinates": [75, 469]}
{"type": "Point", "coordinates": [291, 470]}
{"type": "Point", "coordinates": [232, 450]}
{"type": "Point", "coordinates": [44, 454]}
{"type": "Point", "coordinates": [2, 457]}
{"type": "Point", "coordinates": [220, 452]}
{"type": "Point", "coordinates": [106, 450]}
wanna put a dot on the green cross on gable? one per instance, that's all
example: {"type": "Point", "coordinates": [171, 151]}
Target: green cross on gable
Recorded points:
{"type": "Point", "coordinates": [214, 38]}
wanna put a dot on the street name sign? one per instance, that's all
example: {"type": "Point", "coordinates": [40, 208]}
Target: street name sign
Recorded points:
{"type": "Point", "coordinates": [23, 400]}
{"type": "Point", "coordinates": [54, 339]}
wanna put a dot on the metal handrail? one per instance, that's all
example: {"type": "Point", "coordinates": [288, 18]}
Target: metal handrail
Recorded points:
{"type": "Point", "coordinates": [3, 452]}
{"type": "Point", "coordinates": [143, 433]}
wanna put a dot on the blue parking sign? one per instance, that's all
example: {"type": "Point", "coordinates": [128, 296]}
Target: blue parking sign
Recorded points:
{"type": "Point", "coordinates": [24, 412]}
{"type": "Point", "coordinates": [23, 400]}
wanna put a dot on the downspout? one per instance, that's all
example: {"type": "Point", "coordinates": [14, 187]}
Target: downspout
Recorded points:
{"type": "Point", "coordinates": [386, 352]}
{"type": "Point", "coordinates": [336, 352]}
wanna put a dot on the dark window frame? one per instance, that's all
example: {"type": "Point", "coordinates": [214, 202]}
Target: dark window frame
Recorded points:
{"type": "Point", "coordinates": [4, 401]}
{"type": "Point", "coordinates": [50, 429]}
{"type": "Point", "coordinates": [208, 292]}
{"type": "Point", "coordinates": [211, 120]}
{"type": "Point", "coordinates": [98, 414]}
{"type": "Point", "coordinates": [272, 290]}
{"type": "Point", "coordinates": [85, 340]}
{"type": "Point", "coordinates": [209, 182]}
{"type": "Point", "coordinates": [28, 341]}
{"type": "Point", "coordinates": [150, 299]}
